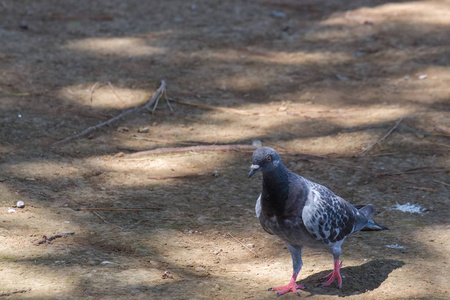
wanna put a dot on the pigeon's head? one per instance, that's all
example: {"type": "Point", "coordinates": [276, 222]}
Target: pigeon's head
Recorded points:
{"type": "Point", "coordinates": [264, 159]}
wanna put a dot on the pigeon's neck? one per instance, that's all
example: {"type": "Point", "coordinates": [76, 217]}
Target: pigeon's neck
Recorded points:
{"type": "Point", "coordinates": [275, 190]}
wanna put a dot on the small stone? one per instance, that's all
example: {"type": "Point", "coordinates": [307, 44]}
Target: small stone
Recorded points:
{"type": "Point", "coordinates": [200, 269]}
{"type": "Point", "coordinates": [123, 129]}
{"type": "Point", "coordinates": [144, 130]}
{"type": "Point", "coordinates": [277, 14]}
{"type": "Point", "coordinates": [257, 143]}
{"type": "Point", "coordinates": [20, 204]}
{"type": "Point", "coordinates": [167, 275]}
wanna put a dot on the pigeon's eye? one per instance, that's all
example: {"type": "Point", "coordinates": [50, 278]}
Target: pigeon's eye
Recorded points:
{"type": "Point", "coordinates": [269, 158]}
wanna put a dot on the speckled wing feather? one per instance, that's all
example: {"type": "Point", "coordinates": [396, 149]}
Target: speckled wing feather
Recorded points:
{"type": "Point", "coordinates": [329, 217]}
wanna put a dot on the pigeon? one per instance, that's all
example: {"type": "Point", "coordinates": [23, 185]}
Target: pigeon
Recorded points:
{"type": "Point", "coordinates": [304, 213]}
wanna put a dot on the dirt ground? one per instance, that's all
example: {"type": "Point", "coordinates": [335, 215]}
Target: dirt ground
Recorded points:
{"type": "Point", "coordinates": [320, 81]}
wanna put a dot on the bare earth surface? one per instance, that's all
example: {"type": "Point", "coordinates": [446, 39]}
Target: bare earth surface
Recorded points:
{"type": "Point", "coordinates": [319, 81]}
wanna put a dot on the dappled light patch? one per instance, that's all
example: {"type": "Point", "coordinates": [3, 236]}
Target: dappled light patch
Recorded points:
{"type": "Point", "coordinates": [104, 96]}
{"type": "Point", "coordinates": [116, 47]}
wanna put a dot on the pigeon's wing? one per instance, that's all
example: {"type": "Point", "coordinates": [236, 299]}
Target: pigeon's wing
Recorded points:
{"type": "Point", "coordinates": [261, 217]}
{"type": "Point", "coordinates": [328, 217]}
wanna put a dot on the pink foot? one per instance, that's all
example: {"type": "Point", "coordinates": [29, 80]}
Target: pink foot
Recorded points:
{"type": "Point", "coordinates": [333, 275]}
{"type": "Point", "coordinates": [291, 287]}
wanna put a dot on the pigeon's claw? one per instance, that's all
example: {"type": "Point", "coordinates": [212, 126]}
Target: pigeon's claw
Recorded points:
{"type": "Point", "coordinates": [336, 273]}
{"type": "Point", "coordinates": [291, 287]}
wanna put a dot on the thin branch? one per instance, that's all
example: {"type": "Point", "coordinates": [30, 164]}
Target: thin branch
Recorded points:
{"type": "Point", "coordinates": [168, 102]}
{"type": "Point", "coordinates": [115, 93]}
{"type": "Point", "coordinates": [15, 292]}
{"type": "Point", "coordinates": [414, 171]}
{"type": "Point", "coordinates": [175, 177]}
{"type": "Point", "coordinates": [101, 218]}
{"type": "Point", "coordinates": [195, 149]}
{"type": "Point", "coordinates": [117, 209]}
{"type": "Point", "coordinates": [156, 102]}
{"type": "Point", "coordinates": [138, 137]}
{"type": "Point", "coordinates": [93, 128]}
{"type": "Point", "coordinates": [48, 240]}
{"type": "Point", "coordinates": [90, 129]}
{"type": "Point", "coordinates": [91, 94]}
{"type": "Point", "coordinates": [382, 139]}
{"type": "Point", "coordinates": [156, 95]}
{"type": "Point", "coordinates": [254, 253]}
{"type": "Point", "coordinates": [441, 182]}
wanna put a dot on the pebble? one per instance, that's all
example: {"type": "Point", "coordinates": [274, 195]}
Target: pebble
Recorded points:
{"type": "Point", "coordinates": [20, 204]}
{"type": "Point", "coordinates": [277, 14]}
{"type": "Point", "coordinates": [122, 129]}
{"type": "Point", "coordinates": [257, 143]}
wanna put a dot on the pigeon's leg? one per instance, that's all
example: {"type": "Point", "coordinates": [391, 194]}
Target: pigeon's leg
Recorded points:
{"type": "Point", "coordinates": [296, 253]}
{"type": "Point", "coordinates": [336, 273]}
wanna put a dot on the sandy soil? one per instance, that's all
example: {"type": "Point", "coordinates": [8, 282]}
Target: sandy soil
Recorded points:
{"type": "Point", "coordinates": [319, 81]}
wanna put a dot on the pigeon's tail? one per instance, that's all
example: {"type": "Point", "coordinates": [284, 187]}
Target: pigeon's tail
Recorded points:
{"type": "Point", "coordinates": [374, 226]}
{"type": "Point", "coordinates": [369, 211]}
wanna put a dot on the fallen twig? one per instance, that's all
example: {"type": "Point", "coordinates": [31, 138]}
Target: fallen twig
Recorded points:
{"type": "Point", "coordinates": [117, 209]}
{"type": "Point", "coordinates": [91, 94]}
{"type": "Point", "coordinates": [414, 171]}
{"type": "Point", "coordinates": [382, 139]}
{"type": "Point", "coordinates": [121, 115]}
{"type": "Point", "coordinates": [15, 292]}
{"type": "Point", "coordinates": [101, 218]}
{"type": "Point", "coordinates": [195, 149]}
{"type": "Point", "coordinates": [424, 188]}
{"type": "Point", "coordinates": [115, 93]}
{"type": "Point", "coordinates": [162, 141]}
{"type": "Point", "coordinates": [254, 253]}
{"type": "Point", "coordinates": [441, 182]}
{"type": "Point", "coordinates": [48, 240]}
{"type": "Point", "coordinates": [156, 94]}
{"type": "Point", "coordinates": [442, 130]}
{"type": "Point", "coordinates": [168, 102]}
{"type": "Point", "coordinates": [175, 177]}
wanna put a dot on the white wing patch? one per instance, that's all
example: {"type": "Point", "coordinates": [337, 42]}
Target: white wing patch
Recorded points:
{"type": "Point", "coordinates": [258, 207]}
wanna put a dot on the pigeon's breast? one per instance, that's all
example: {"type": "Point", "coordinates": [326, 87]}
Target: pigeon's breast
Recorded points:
{"type": "Point", "coordinates": [292, 231]}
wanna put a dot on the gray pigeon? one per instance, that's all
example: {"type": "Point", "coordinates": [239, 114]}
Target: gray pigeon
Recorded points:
{"type": "Point", "coordinates": [304, 213]}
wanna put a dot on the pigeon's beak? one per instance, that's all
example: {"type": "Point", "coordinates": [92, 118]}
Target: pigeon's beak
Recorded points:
{"type": "Point", "coordinates": [253, 170]}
